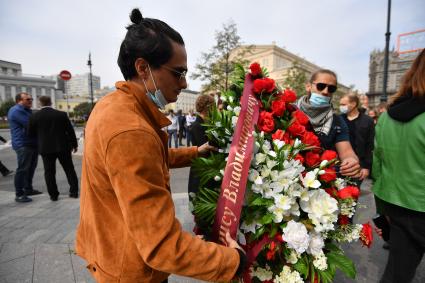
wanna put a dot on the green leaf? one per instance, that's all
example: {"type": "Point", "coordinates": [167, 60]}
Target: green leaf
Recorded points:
{"type": "Point", "coordinates": [205, 204]}
{"type": "Point", "coordinates": [302, 267]}
{"type": "Point", "coordinates": [333, 248]}
{"type": "Point", "coordinates": [342, 262]}
{"type": "Point", "coordinates": [260, 201]}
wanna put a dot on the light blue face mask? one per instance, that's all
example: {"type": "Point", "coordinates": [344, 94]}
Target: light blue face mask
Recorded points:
{"type": "Point", "coordinates": [317, 99]}
{"type": "Point", "coordinates": [157, 97]}
{"type": "Point", "coordinates": [343, 109]}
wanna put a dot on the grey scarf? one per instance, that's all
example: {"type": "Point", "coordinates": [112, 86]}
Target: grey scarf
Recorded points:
{"type": "Point", "coordinates": [320, 117]}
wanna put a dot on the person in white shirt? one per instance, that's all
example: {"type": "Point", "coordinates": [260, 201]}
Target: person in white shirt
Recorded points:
{"type": "Point", "coordinates": [173, 128]}
{"type": "Point", "coordinates": [190, 118]}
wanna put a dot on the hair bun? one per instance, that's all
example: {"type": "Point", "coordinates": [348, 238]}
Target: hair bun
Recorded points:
{"type": "Point", "coordinates": [136, 16]}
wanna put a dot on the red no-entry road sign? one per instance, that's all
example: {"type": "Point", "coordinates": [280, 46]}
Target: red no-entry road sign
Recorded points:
{"type": "Point", "coordinates": [65, 75]}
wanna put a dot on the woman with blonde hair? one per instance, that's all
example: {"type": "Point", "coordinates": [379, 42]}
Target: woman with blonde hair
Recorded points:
{"type": "Point", "coordinates": [399, 171]}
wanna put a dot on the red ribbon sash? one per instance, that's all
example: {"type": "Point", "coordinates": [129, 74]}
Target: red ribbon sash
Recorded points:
{"type": "Point", "coordinates": [236, 172]}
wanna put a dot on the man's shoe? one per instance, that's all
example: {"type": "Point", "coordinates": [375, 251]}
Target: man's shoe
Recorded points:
{"type": "Point", "coordinates": [73, 195]}
{"type": "Point", "coordinates": [8, 173]}
{"type": "Point", "coordinates": [23, 199]}
{"type": "Point", "coordinates": [33, 193]}
{"type": "Point", "coordinates": [54, 198]}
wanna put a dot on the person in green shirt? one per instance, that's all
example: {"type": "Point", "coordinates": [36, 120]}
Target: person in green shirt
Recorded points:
{"type": "Point", "coordinates": [399, 173]}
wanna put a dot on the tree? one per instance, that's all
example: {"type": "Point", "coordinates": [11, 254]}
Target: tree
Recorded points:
{"type": "Point", "coordinates": [5, 106]}
{"type": "Point", "coordinates": [82, 109]}
{"type": "Point", "coordinates": [216, 66]}
{"type": "Point", "coordinates": [296, 79]}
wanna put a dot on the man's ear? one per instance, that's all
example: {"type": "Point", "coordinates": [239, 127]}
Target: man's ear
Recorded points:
{"type": "Point", "coordinates": [142, 68]}
{"type": "Point", "coordinates": [308, 87]}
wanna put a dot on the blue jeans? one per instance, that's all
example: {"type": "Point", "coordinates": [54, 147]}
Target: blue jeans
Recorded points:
{"type": "Point", "coordinates": [27, 162]}
{"type": "Point", "coordinates": [172, 134]}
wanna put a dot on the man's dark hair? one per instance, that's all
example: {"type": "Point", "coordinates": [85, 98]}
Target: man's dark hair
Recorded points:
{"type": "Point", "coordinates": [45, 100]}
{"type": "Point", "coordinates": [323, 71]}
{"type": "Point", "coordinates": [149, 39]}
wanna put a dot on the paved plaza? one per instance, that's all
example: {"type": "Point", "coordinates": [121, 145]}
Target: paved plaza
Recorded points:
{"type": "Point", "coordinates": [37, 238]}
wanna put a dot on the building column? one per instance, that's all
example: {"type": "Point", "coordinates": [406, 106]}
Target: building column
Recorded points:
{"type": "Point", "coordinates": [34, 96]}
{"type": "Point", "coordinates": [53, 97]}
{"type": "Point", "coordinates": [2, 93]}
{"type": "Point", "coordinates": [13, 92]}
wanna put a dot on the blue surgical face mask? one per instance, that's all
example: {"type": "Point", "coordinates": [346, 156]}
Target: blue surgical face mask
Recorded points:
{"type": "Point", "coordinates": [157, 97]}
{"type": "Point", "coordinates": [343, 109]}
{"type": "Point", "coordinates": [317, 99]}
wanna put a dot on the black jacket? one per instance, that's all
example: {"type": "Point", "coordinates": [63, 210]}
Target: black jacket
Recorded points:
{"type": "Point", "coordinates": [362, 134]}
{"type": "Point", "coordinates": [53, 130]}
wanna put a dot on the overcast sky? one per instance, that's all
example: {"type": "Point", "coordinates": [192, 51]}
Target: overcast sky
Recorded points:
{"type": "Point", "coordinates": [47, 36]}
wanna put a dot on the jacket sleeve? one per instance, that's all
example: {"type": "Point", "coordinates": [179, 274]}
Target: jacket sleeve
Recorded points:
{"type": "Point", "coordinates": [182, 156]}
{"type": "Point", "coordinates": [138, 180]}
{"type": "Point", "coordinates": [70, 132]}
{"type": "Point", "coordinates": [367, 162]}
{"type": "Point", "coordinates": [32, 126]}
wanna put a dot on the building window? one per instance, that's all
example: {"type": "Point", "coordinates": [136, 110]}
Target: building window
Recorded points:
{"type": "Point", "coordinates": [4, 70]}
{"type": "Point", "coordinates": [60, 106]}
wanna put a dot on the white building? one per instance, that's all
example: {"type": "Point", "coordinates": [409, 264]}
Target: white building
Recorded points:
{"type": "Point", "coordinates": [79, 85]}
{"type": "Point", "coordinates": [185, 101]}
{"type": "Point", "coordinates": [12, 82]}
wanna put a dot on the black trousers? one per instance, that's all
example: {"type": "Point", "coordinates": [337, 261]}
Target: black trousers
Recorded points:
{"type": "Point", "coordinates": [65, 159]}
{"type": "Point", "coordinates": [407, 243]}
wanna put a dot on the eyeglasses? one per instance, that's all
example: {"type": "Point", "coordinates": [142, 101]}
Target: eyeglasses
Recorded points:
{"type": "Point", "coordinates": [178, 74]}
{"type": "Point", "coordinates": [28, 99]}
{"type": "Point", "coordinates": [322, 86]}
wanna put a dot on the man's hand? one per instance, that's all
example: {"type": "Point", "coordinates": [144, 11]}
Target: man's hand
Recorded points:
{"type": "Point", "coordinates": [205, 149]}
{"type": "Point", "coordinates": [350, 167]}
{"type": "Point", "coordinates": [364, 173]}
{"type": "Point", "coordinates": [232, 243]}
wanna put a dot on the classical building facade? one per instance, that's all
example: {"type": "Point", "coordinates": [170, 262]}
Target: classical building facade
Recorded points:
{"type": "Point", "coordinates": [79, 85]}
{"type": "Point", "coordinates": [185, 101]}
{"type": "Point", "coordinates": [12, 82]}
{"type": "Point", "coordinates": [397, 67]}
{"type": "Point", "coordinates": [278, 61]}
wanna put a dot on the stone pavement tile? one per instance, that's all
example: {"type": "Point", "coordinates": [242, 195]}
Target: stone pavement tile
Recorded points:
{"type": "Point", "coordinates": [53, 264]}
{"type": "Point", "coordinates": [82, 274]}
{"type": "Point", "coordinates": [16, 262]}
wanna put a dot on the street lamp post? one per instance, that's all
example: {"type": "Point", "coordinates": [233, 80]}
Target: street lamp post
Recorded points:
{"type": "Point", "coordinates": [91, 81]}
{"type": "Point", "coordinates": [386, 55]}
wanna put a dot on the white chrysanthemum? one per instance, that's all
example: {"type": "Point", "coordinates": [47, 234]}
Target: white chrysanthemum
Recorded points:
{"type": "Point", "coordinates": [293, 257]}
{"type": "Point", "coordinates": [262, 273]}
{"type": "Point", "coordinates": [260, 158]}
{"type": "Point", "coordinates": [310, 179]}
{"type": "Point", "coordinates": [296, 236]}
{"type": "Point", "coordinates": [288, 276]}
{"type": "Point", "coordinates": [251, 227]}
{"type": "Point", "coordinates": [237, 110]}
{"type": "Point", "coordinates": [234, 121]}
{"type": "Point", "coordinates": [322, 209]}
{"type": "Point", "coordinates": [316, 244]}
{"type": "Point", "coordinates": [320, 262]}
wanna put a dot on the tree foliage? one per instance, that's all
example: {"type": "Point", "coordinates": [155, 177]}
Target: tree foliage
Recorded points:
{"type": "Point", "coordinates": [82, 109]}
{"type": "Point", "coordinates": [296, 79]}
{"type": "Point", "coordinates": [5, 106]}
{"type": "Point", "coordinates": [215, 66]}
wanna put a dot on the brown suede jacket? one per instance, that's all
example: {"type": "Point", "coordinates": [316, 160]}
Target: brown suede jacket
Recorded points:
{"type": "Point", "coordinates": [128, 231]}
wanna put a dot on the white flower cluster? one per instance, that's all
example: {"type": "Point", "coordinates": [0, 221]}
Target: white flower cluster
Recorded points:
{"type": "Point", "coordinates": [262, 273]}
{"type": "Point", "coordinates": [320, 262]}
{"type": "Point", "coordinates": [293, 257]}
{"type": "Point", "coordinates": [354, 235]}
{"type": "Point", "coordinates": [322, 209]}
{"type": "Point", "coordinates": [348, 208]}
{"type": "Point", "coordinates": [296, 236]}
{"type": "Point", "coordinates": [288, 276]}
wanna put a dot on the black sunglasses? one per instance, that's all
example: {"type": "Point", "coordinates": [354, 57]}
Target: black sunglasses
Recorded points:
{"type": "Point", "coordinates": [322, 86]}
{"type": "Point", "coordinates": [178, 74]}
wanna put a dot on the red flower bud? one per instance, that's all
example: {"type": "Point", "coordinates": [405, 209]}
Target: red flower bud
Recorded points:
{"type": "Point", "coordinates": [366, 235]}
{"type": "Point", "coordinates": [255, 69]}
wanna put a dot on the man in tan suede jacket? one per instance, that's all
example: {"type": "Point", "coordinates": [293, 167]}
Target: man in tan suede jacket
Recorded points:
{"type": "Point", "coordinates": [128, 231]}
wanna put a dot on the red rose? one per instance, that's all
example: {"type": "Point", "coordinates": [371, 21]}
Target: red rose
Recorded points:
{"type": "Point", "coordinates": [278, 135]}
{"type": "Point", "coordinates": [311, 139]}
{"type": "Point", "coordinates": [289, 95]}
{"type": "Point", "coordinates": [329, 175]}
{"type": "Point", "coordinates": [266, 122]}
{"type": "Point", "coordinates": [278, 107]}
{"type": "Point", "coordinates": [329, 155]}
{"type": "Point", "coordinates": [255, 69]}
{"type": "Point", "coordinates": [264, 85]}
{"type": "Point", "coordinates": [312, 159]}
{"type": "Point", "coordinates": [296, 129]}
{"type": "Point", "coordinates": [343, 220]}
{"type": "Point", "coordinates": [278, 237]}
{"type": "Point", "coordinates": [332, 192]}
{"type": "Point", "coordinates": [349, 192]}
{"type": "Point", "coordinates": [300, 117]}
{"type": "Point", "coordinates": [366, 235]}
{"type": "Point", "coordinates": [300, 158]}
